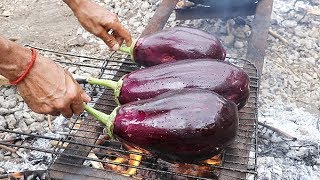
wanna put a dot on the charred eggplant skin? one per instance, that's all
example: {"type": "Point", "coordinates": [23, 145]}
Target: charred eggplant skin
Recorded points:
{"type": "Point", "coordinates": [223, 78]}
{"type": "Point", "coordinates": [188, 125]}
{"type": "Point", "coordinates": [175, 44]}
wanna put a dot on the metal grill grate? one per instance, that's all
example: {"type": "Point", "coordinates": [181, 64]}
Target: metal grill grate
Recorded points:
{"type": "Point", "coordinates": [75, 154]}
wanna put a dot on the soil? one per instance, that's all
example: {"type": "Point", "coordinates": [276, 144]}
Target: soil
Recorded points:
{"type": "Point", "coordinates": [46, 23]}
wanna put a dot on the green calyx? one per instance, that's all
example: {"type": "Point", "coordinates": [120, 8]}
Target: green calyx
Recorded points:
{"type": "Point", "coordinates": [106, 119]}
{"type": "Point", "coordinates": [128, 50]}
{"type": "Point", "coordinates": [115, 85]}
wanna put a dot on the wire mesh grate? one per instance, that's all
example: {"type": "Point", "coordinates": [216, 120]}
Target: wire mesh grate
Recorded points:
{"type": "Point", "coordinates": [86, 152]}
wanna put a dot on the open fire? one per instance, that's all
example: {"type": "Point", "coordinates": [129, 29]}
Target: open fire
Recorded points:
{"type": "Point", "coordinates": [127, 165]}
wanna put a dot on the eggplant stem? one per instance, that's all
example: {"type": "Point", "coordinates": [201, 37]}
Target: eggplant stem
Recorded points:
{"type": "Point", "coordinates": [106, 119]}
{"type": "Point", "coordinates": [115, 85]}
{"type": "Point", "coordinates": [103, 82]}
{"type": "Point", "coordinates": [128, 50]}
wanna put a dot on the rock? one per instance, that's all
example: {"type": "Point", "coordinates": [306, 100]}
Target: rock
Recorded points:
{"type": "Point", "coordinates": [24, 128]}
{"type": "Point", "coordinates": [37, 117]}
{"type": "Point", "coordinates": [4, 111]}
{"type": "Point", "coordinates": [238, 44]}
{"type": "Point", "coordinates": [2, 171]}
{"type": "Point", "coordinates": [6, 13]}
{"type": "Point", "coordinates": [9, 92]}
{"type": "Point", "coordinates": [36, 127]}
{"type": "Point", "coordinates": [18, 115]}
{"type": "Point", "coordinates": [11, 121]}
{"type": "Point", "coordinates": [289, 23]}
{"type": "Point", "coordinates": [3, 122]}
{"type": "Point", "coordinates": [300, 32]}
{"type": "Point", "coordinates": [26, 115]}
{"type": "Point", "coordinates": [79, 41]}
{"type": "Point", "coordinates": [145, 6]}
{"type": "Point", "coordinates": [228, 40]}
{"type": "Point", "coordinates": [1, 101]}
{"type": "Point", "coordinates": [277, 170]}
{"type": "Point", "coordinates": [29, 121]}
{"type": "Point", "coordinates": [9, 103]}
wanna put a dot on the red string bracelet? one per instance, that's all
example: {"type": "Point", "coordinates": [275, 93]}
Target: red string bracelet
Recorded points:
{"type": "Point", "coordinates": [24, 74]}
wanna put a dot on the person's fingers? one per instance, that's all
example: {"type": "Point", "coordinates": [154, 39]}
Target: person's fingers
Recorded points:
{"type": "Point", "coordinates": [67, 112]}
{"type": "Point", "coordinates": [85, 97]}
{"type": "Point", "coordinates": [77, 108]}
{"type": "Point", "coordinates": [108, 39]}
{"type": "Point", "coordinates": [122, 32]}
{"type": "Point", "coordinates": [118, 38]}
{"type": "Point", "coordinates": [55, 113]}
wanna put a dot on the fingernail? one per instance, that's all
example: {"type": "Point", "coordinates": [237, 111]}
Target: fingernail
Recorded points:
{"type": "Point", "coordinates": [115, 47]}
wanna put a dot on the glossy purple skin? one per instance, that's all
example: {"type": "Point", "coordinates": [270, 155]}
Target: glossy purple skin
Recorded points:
{"type": "Point", "coordinates": [189, 125]}
{"type": "Point", "coordinates": [178, 43]}
{"type": "Point", "coordinates": [220, 77]}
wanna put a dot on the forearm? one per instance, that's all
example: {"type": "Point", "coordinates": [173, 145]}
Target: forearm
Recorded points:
{"type": "Point", "coordinates": [74, 4]}
{"type": "Point", "coordinates": [14, 59]}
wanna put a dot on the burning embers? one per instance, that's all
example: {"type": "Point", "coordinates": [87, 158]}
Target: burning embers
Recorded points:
{"type": "Point", "coordinates": [139, 164]}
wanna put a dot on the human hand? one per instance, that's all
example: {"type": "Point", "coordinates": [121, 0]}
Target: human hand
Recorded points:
{"type": "Point", "coordinates": [49, 89]}
{"type": "Point", "coordinates": [100, 22]}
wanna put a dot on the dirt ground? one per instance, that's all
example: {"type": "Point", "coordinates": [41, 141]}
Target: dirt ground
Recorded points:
{"type": "Point", "coordinates": [46, 23]}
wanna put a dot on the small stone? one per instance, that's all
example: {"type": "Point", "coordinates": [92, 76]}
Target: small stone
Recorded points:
{"type": "Point", "coordinates": [300, 32]}
{"type": "Point", "coordinates": [315, 76]}
{"type": "Point", "coordinates": [2, 171]}
{"type": "Point", "coordinates": [314, 32]}
{"type": "Point", "coordinates": [239, 33]}
{"type": "Point", "coordinates": [145, 6]}
{"type": "Point", "coordinates": [289, 23]}
{"type": "Point", "coordinates": [228, 40]}
{"type": "Point", "coordinates": [1, 101]}
{"type": "Point", "coordinates": [3, 122]}
{"type": "Point", "coordinates": [72, 69]}
{"type": "Point", "coordinates": [37, 117]}
{"type": "Point", "coordinates": [35, 127]}
{"type": "Point", "coordinates": [9, 92]}
{"type": "Point", "coordinates": [11, 121]}
{"type": "Point", "coordinates": [18, 115]}
{"type": "Point", "coordinates": [7, 158]}
{"type": "Point", "coordinates": [6, 13]}
{"type": "Point", "coordinates": [8, 104]}
{"type": "Point", "coordinates": [24, 128]}
{"type": "Point", "coordinates": [29, 121]}
{"type": "Point", "coordinates": [238, 44]}
{"type": "Point", "coordinates": [79, 41]}
{"type": "Point", "coordinates": [26, 115]}
{"type": "Point", "coordinates": [277, 170]}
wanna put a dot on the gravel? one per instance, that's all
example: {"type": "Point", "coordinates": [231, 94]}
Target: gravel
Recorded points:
{"type": "Point", "coordinates": [289, 97]}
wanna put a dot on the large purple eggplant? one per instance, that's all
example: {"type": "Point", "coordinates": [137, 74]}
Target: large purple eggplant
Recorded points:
{"type": "Point", "coordinates": [175, 44]}
{"type": "Point", "coordinates": [221, 77]}
{"type": "Point", "coordinates": [188, 125]}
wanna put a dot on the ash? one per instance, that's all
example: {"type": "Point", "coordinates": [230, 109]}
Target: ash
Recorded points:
{"type": "Point", "coordinates": [282, 158]}
{"type": "Point", "coordinates": [39, 159]}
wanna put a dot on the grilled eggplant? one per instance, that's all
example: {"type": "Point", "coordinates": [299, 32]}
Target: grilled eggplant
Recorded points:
{"type": "Point", "coordinates": [223, 78]}
{"type": "Point", "coordinates": [188, 125]}
{"type": "Point", "coordinates": [175, 44]}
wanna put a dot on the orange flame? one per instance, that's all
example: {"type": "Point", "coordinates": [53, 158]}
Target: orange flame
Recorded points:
{"type": "Point", "coordinates": [215, 160]}
{"type": "Point", "coordinates": [134, 161]}
{"type": "Point", "coordinates": [16, 175]}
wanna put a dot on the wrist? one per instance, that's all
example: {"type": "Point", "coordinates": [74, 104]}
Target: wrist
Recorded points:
{"type": "Point", "coordinates": [74, 4]}
{"type": "Point", "coordinates": [14, 60]}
